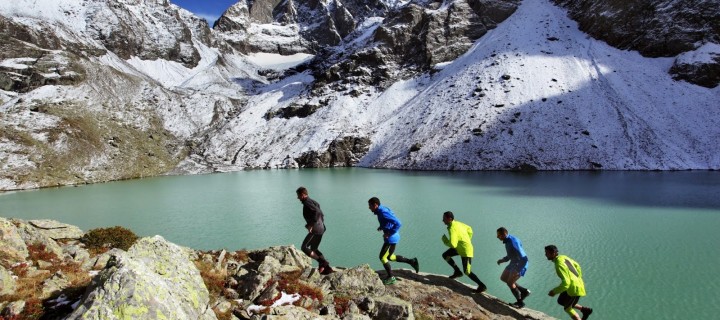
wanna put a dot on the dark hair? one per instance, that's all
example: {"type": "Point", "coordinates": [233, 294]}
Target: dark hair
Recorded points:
{"type": "Point", "coordinates": [449, 214]}
{"type": "Point", "coordinates": [301, 190]}
{"type": "Point", "coordinates": [502, 230]}
{"type": "Point", "coordinates": [552, 248]}
{"type": "Point", "coordinates": [374, 200]}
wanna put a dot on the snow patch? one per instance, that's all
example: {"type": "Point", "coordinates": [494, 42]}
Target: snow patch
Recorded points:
{"type": "Point", "coordinates": [285, 299]}
{"type": "Point", "coordinates": [279, 62]}
{"type": "Point", "coordinates": [706, 54]}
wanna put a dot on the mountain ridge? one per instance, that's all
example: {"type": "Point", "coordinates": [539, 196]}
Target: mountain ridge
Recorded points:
{"type": "Point", "coordinates": [519, 87]}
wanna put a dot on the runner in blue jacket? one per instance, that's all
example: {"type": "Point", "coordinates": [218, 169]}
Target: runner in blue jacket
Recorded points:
{"type": "Point", "coordinates": [390, 226]}
{"type": "Point", "coordinates": [517, 267]}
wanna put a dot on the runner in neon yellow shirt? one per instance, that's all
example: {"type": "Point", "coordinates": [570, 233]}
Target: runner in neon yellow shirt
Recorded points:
{"type": "Point", "coordinates": [460, 244]}
{"type": "Point", "coordinates": [571, 287]}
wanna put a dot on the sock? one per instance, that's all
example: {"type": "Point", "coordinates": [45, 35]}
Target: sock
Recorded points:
{"type": "Point", "coordinates": [516, 293]}
{"type": "Point", "coordinates": [388, 270]}
{"type": "Point", "coordinates": [522, 290]}
{"type": "Point", "coordinates": [473, 277]}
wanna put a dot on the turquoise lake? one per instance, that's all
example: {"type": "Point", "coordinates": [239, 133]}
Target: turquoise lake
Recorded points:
{"type": "Point", "coordinates": [648, 242]}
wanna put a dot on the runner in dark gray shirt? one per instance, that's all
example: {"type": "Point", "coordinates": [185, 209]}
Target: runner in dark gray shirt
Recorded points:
{"type": "Point", "coordinates": [315, 225]}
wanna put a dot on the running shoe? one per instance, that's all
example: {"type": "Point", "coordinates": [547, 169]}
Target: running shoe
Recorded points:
{"type": "Point", "coordinates": [481, 288]}
{"type": "Point", "coordinates": [389, 281]}
{"type": "Point", "coordinates": [518, 304]}
{"type": "Point", "coordinates": [524, 294]}
{"type": "Point", "coordinates": [415, 264]}
{"type": "Point", "coordinates": [327, 269]}
{"type": "Point", "coordinates": [586, 312]}
{"type": "Point", "coordinates": [457, 274]}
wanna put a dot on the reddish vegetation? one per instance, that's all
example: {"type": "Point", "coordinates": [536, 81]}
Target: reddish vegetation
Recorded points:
{"type": "Point", "coordinates": [341, 304]}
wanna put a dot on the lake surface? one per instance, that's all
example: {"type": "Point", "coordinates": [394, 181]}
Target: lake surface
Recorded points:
{"type": "Point", "coordinates": [647, 241]}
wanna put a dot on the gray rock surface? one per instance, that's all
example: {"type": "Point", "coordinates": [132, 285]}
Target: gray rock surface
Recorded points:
{"type": "Point", "coordinates": [35, 236]}
{"type": "Point", "coordinates": [11, 242]}
{"type": "Point", "coordinates": [7, 282]}
{"type": "Point", "coordinates": [154, 279]}
{"type": "Point", "coordinates": [56, 230]}
{"type": "Point", "coordinates": [663, 28]}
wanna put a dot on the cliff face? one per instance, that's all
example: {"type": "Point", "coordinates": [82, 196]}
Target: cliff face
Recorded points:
{"type": "Point", "coordinates": [657, 29]}
{"type": "Point", "coordinates": [43, 263]}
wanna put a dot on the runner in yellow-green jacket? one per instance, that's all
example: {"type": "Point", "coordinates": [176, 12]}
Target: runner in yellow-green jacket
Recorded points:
{"type": "Point", "coordinates": [460, 244]}
{"type": "Point", "coordinates": [571, 287]}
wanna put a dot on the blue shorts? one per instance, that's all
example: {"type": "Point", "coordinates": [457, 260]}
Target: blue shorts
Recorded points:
{"type": "Point", "coordinates": [393, 239]}
{"type": "Point", "coordinates": [518, 266]}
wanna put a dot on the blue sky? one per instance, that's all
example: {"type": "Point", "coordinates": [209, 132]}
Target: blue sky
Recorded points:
{"type": "Point", "coordinates": [210, 10]}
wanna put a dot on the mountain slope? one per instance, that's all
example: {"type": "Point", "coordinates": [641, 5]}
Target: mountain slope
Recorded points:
{"type": "Point", "coordinates": [535, 91]}
{"type": "Point", "coordinates": [453, 85]}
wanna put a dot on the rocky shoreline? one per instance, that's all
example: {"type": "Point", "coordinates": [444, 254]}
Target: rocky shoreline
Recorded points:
{"type": "Point", "coordinates": [48, 271]}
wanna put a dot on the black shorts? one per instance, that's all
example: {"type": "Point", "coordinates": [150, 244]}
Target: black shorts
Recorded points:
{"type": "Point", "coordinates": [567, 301]}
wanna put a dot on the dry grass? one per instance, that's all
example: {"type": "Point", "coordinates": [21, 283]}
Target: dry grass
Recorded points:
{"type": "Point", "coordinates": [341, 304]}
{"type": "Point", "coordinates": [213, 278]}
{"type": "Point", "coordinates": [29, 285]}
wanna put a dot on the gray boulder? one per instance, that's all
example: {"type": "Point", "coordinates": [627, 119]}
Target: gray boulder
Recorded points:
{"type": "Point", "coordinates": [56, 230]}
{"type": "Point", "coordinates": [387, 307]}
{"type": "Point", "coordinates": [11, 242]}
{"type": "Point", "coordinates": [342, 152]}
{"type": "Point", "coordinates": [33, 235]}
{"type": "Point", "coordinates": [7, 282]}
{"type": "Point", "coordinates": [154, 279]}
{"type": "Point", "coordinates": [287, 256]}
{"type": "Point", "coordinates": [54, 284]}
{"type": "Point", "coordinates": [360, 280]}
{"type": "Point", "coordinates": [700, 67]}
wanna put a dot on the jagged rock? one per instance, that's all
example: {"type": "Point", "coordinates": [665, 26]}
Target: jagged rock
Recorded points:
{"type": "Point", "coordinates": [54, 284]}
{"type": "Point", "coordinates": [121, 28]}
{"type": "Point", "coordinates": [33, 235]}
{"type": "Point", "coordinates": [266, 263]}
{"type": "Point", "coordinates": [292, 313]}
{"type": "Point", "coordinates": [7, 282]}
{"type": "Point", "coordinates": [287, 256]}
{"type": "Point", "coordinates": [101, 260]}
{"type": "Point", "coordinates": [13, 309]}
{"type": "Point", "coordinates": [344, 152]}
{"type": "Point", "coordinates": [288, 27]}
{"type": "Point", "coordinates": [356, 281]}
{"type": "Point", "coordinates": [56, 230]}
{"type": "Point", "coordinates": [387, 307]}
{"type": "Point", "coordinates": [155, 278]}
{"type": "Point", "coordinates": [355, 316]}
{"type": "Point", "coordinates": [78, 254]}
{"type": "Point", "coordinates": [11, 242]}
{"type": "Point", "coordinates": [701, 66]}
{"type": "Point", "coordinates": [222, 306]}
{"type": "Point", "coordinates": [655, 28]}
{"type": "Point", "coordinates": [268, 294]}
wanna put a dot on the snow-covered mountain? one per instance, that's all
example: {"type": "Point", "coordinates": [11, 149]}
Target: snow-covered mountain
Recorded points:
{"type": "Point", "coordinates": [101, 90]}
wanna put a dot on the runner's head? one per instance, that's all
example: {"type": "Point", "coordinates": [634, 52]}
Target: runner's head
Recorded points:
{"type": "Point", "coordinates": [373, 204]}
{"type": "Point", "coordinates": [551, 252]}
{"type": "Point", "coordinates": [302, 193]}
{"type": "Point", "coordinates": [502, 233]}
{"type": "Point", "coordinates": [448, 217]}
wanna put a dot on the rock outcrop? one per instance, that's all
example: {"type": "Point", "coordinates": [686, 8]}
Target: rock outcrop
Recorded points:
{"type": "Point", "coordinates": [343, 152]}
{"type": "Point", "coordinates": [656, 29]}
{"type": "Point", "coordinates": [156, 279]}
{"type": "Point", "coordinates": [13, 247]}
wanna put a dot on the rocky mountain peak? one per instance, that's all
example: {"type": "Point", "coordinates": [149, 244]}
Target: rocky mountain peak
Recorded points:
{"type": "Point", "coordinates": [122, 27]}
{"type": "Point", "coordinates": [655, 29]}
